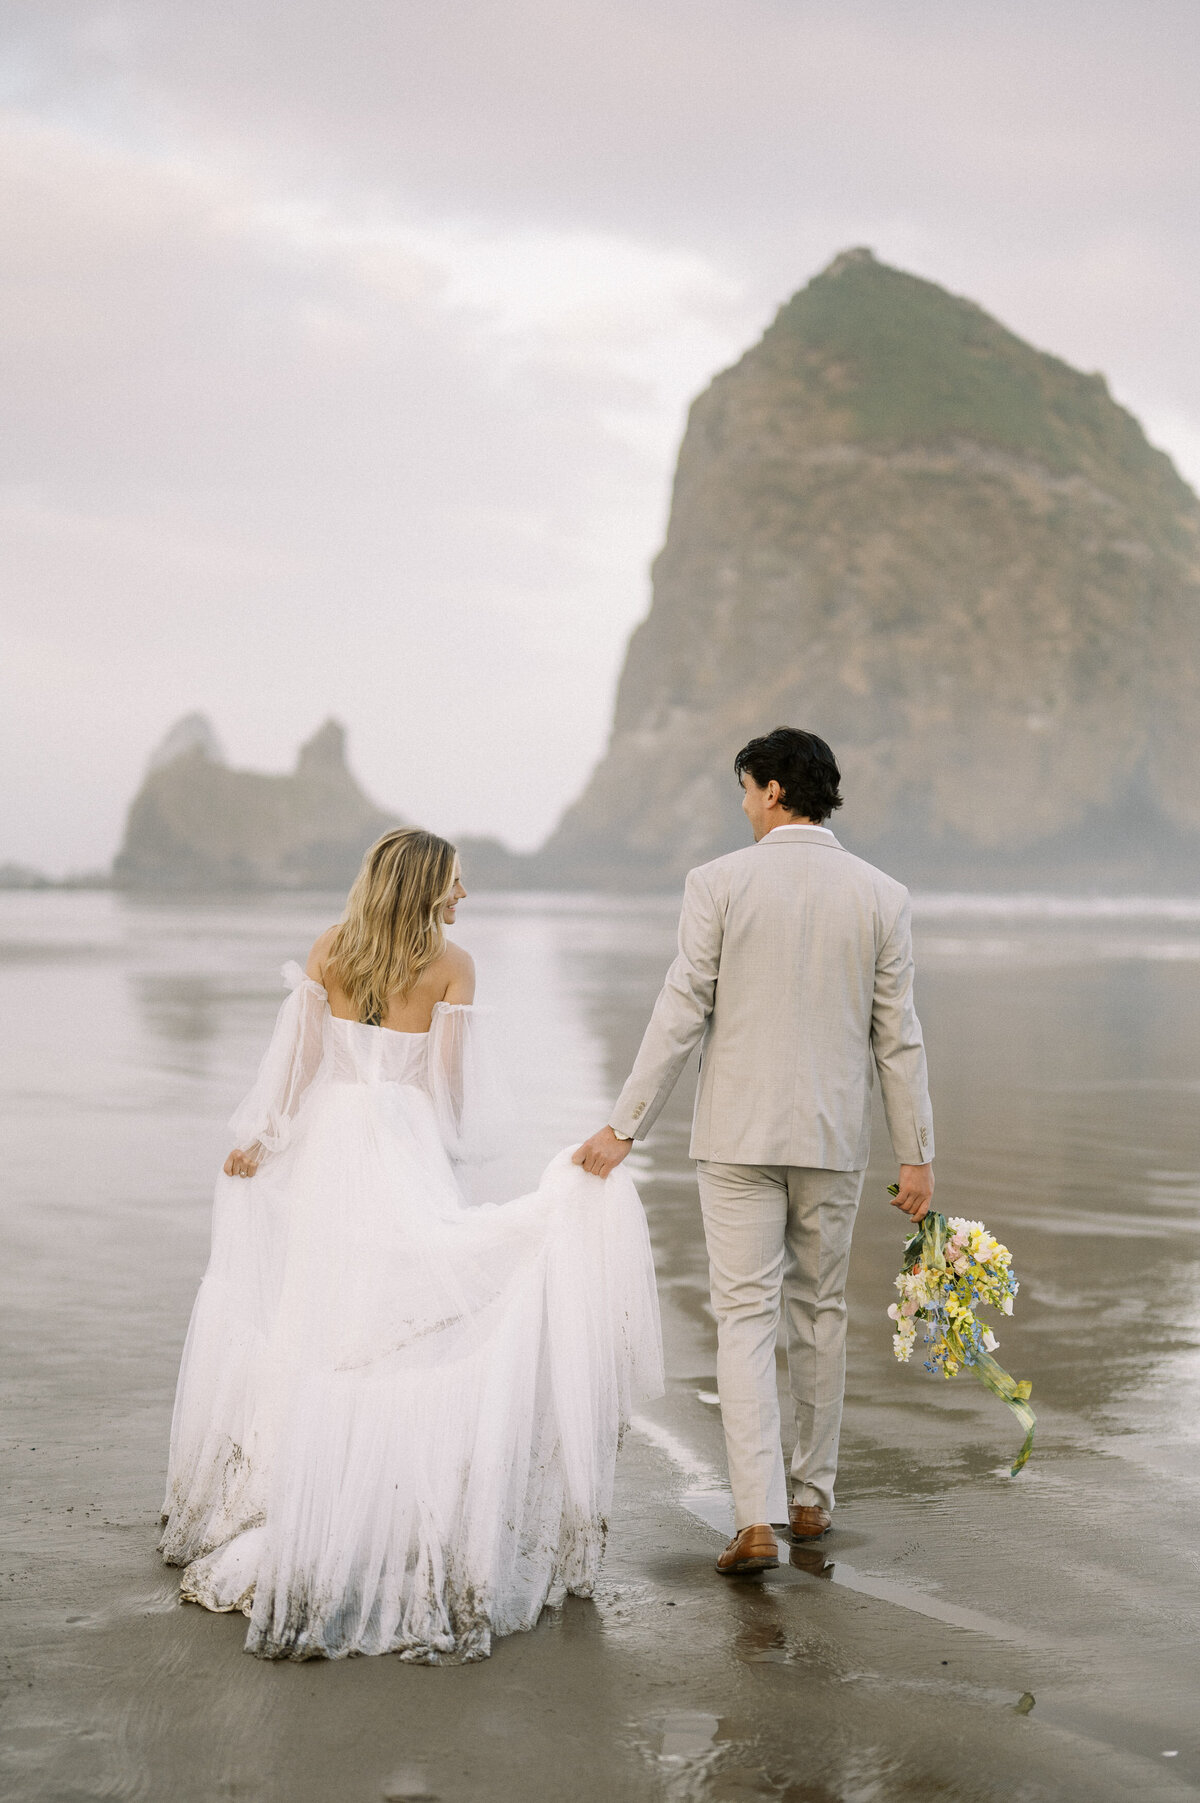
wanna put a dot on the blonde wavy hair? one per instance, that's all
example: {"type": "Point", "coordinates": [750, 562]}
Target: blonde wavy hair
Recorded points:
{"type": "Point", "coordinates": [392, 929]}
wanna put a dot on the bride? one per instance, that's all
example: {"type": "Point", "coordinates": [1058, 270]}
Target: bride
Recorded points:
{"type": "Point", "coordinates": [398, 1415]}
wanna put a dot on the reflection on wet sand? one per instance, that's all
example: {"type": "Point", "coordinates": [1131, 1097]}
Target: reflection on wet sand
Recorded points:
{"type": "Point", "coordinates": [180, 1009]}
{"type": "Point", "coordinates": [1065, 1055]}
{"type": "Point", "coordinates": [809, 1559]}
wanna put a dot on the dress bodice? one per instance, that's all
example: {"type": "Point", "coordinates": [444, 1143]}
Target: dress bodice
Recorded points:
{"type": "Point", "coordinates": [358, 1053]}
{"type": "Point", "coordinates": [312, 1048]}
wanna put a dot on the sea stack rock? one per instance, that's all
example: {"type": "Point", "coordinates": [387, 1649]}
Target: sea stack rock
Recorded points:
{"type": "Point", "coordinates": [953, 556]}
{"type": "Point", "coordinates": [197, 824]}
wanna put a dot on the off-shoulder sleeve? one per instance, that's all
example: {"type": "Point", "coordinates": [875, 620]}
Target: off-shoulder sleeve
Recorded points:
{"type": "Point", "coordinates": [292, 1060]}
{"type": "Point", "coordinates": [470, 1097]}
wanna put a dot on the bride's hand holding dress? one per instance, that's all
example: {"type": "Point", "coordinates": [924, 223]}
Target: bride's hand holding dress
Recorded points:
{"type": "Point", "coordinates": [242, 1164]}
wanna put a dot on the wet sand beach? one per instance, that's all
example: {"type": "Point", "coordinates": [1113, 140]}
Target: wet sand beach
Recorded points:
{"type": "Point", "coordinates": [959, 1635]}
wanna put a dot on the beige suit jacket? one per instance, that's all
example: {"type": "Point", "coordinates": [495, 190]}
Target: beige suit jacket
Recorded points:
{"type": "Point", "coordinates": [795, 968]}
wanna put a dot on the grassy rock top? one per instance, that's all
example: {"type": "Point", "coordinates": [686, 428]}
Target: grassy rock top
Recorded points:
{"type": "Point", "coordinates": [877, 356]}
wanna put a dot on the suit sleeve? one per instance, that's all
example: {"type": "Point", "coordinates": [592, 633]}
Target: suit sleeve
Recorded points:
{"type": "Point", "coordinates": [899, 1048]}
{"type": "Point", "coordinates": [680, 1014]}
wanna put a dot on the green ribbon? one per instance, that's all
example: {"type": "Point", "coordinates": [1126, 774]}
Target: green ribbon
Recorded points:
{"type": "Point", "coordinates": [994, 1378]}
{"type": "Point", "coordinates": [926, 1245]}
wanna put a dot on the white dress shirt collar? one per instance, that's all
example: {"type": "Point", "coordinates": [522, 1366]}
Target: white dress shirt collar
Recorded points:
{"type": "Point", "coordinates": [795, 827]}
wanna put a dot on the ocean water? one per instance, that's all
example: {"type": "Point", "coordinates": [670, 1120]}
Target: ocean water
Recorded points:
{"type": "Point", "coordinates": [1064, 1044]}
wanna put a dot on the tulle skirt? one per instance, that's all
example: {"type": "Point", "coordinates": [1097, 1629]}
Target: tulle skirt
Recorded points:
{"type": "Point", "coordinates": [398, 1416]}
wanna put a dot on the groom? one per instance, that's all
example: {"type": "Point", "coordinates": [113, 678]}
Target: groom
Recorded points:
{"type": "Point", "coordinates": [795, 968]}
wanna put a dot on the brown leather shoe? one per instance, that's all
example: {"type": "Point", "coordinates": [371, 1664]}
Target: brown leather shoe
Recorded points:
{"type": "Point", "coordinates": [807, 1521]}
{"type": "Point", "coordinates": [753, 1549]}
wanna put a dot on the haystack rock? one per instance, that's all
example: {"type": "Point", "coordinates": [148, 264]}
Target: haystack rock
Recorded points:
{"type": "Point", "coordinates": [952, 555]}
{"type": "Point", "coordinates": [197, 824]}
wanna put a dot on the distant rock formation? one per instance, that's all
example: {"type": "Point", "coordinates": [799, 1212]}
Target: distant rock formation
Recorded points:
{"type": "Point", "coordinates": [952, 555]}
{"type": "Point", "coordinates": [489, 864]}
{"type": "Point", "coordinates": [193, 733]}
{"type": "Point", "coordinates": [197, 824]}
{"type": "Point", "coordinates": [894, 522]}
{"type": "Point", "coordinates": [23, 876]}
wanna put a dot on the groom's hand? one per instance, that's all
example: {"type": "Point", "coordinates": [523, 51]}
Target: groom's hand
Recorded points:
{"type": "Point", "coordinates": [602, 1153]}
{"type": "Point", "coordinates": [916, 1190]}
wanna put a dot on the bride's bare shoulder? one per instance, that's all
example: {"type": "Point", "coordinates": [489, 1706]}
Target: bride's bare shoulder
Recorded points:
{"type": "Point", "coordinates": [318, 958]}
{"type": "Point", "coordinates": [456, 968]}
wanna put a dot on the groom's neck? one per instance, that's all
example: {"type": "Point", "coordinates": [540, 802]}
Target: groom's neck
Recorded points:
{"type": "Point", "coordinates": [778, 817]}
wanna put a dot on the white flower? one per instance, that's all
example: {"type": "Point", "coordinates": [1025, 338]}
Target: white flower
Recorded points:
{"type": "Point", "coordinates": [990, 1342]}
{"type": "Point", "coordinates": [1006, 1306]}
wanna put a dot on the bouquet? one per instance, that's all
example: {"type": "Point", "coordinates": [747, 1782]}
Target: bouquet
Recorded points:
{"type": "Point", "coordinates": [951, 1268]}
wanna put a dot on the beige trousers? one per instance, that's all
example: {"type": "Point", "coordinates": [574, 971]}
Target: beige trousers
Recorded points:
{"type": "Point", "coordinates": [779, 1233]}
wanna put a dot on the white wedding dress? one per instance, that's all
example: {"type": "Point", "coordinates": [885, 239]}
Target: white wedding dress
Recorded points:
{"type": "Point", "coordinates": [398, 1415]}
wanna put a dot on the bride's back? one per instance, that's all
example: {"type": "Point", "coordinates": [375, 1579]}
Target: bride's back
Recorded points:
{"type": "Point", "coordinates": [450, 978]}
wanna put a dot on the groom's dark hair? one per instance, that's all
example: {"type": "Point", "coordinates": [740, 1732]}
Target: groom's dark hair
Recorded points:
{"type": "Point", "coordinates": [803, 766]}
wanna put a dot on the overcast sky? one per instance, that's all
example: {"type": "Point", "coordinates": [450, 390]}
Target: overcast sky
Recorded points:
{"type": "Point", "coordinates": [345, 349]}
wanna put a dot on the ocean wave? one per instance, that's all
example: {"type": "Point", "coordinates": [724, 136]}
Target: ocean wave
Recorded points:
{"type": "Point", "coordinates": [1033, 906]}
